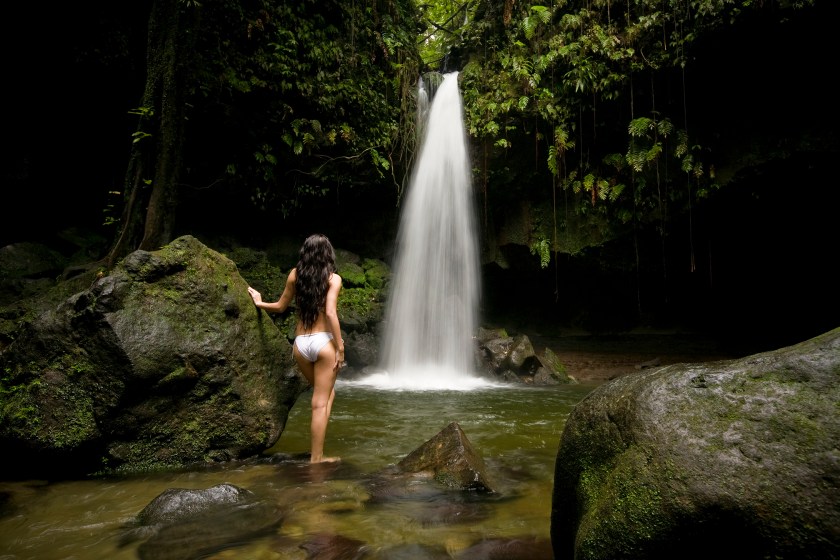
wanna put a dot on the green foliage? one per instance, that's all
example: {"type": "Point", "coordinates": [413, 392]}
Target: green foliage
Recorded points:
{"type": "Point", "coordinates": [305, 96]}
{"type": "Point", "coordinates": [17, 407]}
{"type": "Point", "coordinates": [542, 247]}
{"type": "Point", "coordinates": [263, 275]}
{"type": "Point", "coordinates": [441, 23]}
{"type": "Point", "coordinates": [377, 273]}
{"type": "Point", "coordinates": [352, 275]}
{"type": "Point", "coordinates": [571, 67]}
{"type": "Point", "coordinates": [295, 100]}
{"type": "Point", "coordinates": [110, 210]}
{"type": "Point", "coordinates": [359, 301]}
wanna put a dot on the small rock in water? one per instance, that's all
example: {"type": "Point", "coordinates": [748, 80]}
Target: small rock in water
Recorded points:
{"type": "Point", "coordinates": [334, 547]}
{"type": "Point", "coordinates": [508, 549]}
{"type": "Point", "coordinates": [413, 551]}
{"type": "Point", "coordinates": [185, 524]}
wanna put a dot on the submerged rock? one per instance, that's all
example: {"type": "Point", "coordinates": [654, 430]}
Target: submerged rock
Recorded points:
{"type": "Point", "coordinates": [445, 478]}
{"type": "Point", "coordinates": [412, 551]}
{"type": "Point", "coordinates": [324, 546]}
{"type": "Point", "coordinates": [186, 524]}
{"type": "Point", "coordinates": [176, 504]}
{"type": "Point", "coordinates": [507, 549]}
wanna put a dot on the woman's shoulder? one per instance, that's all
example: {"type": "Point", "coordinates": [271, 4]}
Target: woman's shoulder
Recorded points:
{"type": "Point", "coordinates": [335, 279]}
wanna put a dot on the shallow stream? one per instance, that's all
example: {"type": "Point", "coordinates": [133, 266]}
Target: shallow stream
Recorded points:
{"type": "Point", "coordinates": [516, 429]}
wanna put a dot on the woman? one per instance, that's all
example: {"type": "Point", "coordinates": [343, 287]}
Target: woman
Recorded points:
{"type": "Point", "coordinates": [318, 347]}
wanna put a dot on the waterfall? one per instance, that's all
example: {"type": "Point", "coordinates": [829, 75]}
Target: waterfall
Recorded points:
{"type": "Point", "coordinates": [422, 108]}
{"type": "Point", "coordinates": [431, 313]}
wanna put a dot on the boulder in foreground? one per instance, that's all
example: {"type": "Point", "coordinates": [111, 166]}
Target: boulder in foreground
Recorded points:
{"type": "Point", "coordinates": [732, 459]}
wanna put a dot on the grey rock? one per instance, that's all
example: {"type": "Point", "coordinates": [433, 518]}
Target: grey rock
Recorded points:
{"type": "Point", "coordinates": [730, 459]}
{"type": "Point", "coordinates": [163, 362]}
{"type": "Point", "coordinates": [187, 524]}
{"type": "Point", "coordinates": [452, 460]}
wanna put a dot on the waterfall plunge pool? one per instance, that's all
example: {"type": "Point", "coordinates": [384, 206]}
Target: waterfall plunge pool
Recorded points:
{"type": "Point", "coordinates": [516, 429]}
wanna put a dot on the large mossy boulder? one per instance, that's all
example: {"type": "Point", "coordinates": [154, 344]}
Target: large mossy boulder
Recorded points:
{"type": "Point", "coordinates": [160, 363]}
{"type": "Point", "coordinates": [734, 459]}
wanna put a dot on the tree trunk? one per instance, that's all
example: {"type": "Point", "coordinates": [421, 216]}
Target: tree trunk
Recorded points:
{"type": "Point", "coordinates": [155, 163]}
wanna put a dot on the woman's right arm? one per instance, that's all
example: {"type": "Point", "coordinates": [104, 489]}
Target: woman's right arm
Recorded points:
{"type": "Point", "coordinates": [286, 297]}
{"type": "Point", "coordinates": [331, 312]}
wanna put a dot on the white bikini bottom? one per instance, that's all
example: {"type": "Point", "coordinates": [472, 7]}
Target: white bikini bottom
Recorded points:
{"type": "Point", "coordinates": [309, 345]}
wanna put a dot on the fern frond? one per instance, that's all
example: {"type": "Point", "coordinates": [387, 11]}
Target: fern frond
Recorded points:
{"type": "Point", "coordinates": [665, 127]}
{"type": "Point", "coordinates": [615, 160]}
{"type": "Point", "coordinates": [542, 12]}
{"type": "Point", "coordinates": [640, 127]}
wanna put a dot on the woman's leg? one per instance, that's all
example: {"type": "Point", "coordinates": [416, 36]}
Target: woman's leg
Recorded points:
{"type": "Point", "coordinates": [306, 367]}
{"type": "Point", "coordinates": [322, 377]}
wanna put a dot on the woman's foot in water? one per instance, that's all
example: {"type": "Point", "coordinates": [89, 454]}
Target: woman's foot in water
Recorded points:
{"type": "Point", "coordinates": [325, 460]}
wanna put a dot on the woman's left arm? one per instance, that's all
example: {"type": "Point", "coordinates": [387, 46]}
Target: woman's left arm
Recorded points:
{"type": "Point", "coordinates": [285, 299]}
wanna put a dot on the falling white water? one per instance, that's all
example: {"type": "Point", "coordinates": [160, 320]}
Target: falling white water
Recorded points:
{"type": "Point", "coordinates": [432, 308]}
{"type": "Point", "coordinates": [422, 108]}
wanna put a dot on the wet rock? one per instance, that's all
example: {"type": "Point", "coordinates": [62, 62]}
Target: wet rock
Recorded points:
{"type": "Point", "coordinates": [731, 459]}
{"type": "Point", "coordinates": [185, 524]}
{"type": "Point", "coordinates": [413, 551]}
{"type": "Point", "coordinates": [513, 360]}
{"type": "Point", "coordinates": [552, 371]}
{"type": "Point", "coordinates": [163, 362]}
{"type": "Point", "coordinates": [451, 459]}
{"type": "Point", "coordinates": [362, 349]}
{"type": "Point", "coordinates": [445, 478]}
{"type": "Point", "coordinates": [508, 549]}
{"type": "Point", "coordinates": [175, 504]}
{"type": "Point", "coordinates": [335, 547]}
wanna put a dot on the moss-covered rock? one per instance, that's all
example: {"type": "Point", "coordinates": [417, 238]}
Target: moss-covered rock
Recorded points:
{"type": "Point", "coordinates": [377, 273]}
{"type": "Point", "coordinates": [163, 362]}
{"type": "Point", "coordinates": [732, 459]}
{"type": "Point", "coordinates": [352, 275]}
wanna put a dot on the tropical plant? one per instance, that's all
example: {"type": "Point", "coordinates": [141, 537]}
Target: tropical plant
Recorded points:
{"type": "Point", "coordinates": [280, 102]}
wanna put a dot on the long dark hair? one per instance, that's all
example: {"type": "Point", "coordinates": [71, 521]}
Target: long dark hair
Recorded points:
{"type": "Point", "coordinates": [316, 263]}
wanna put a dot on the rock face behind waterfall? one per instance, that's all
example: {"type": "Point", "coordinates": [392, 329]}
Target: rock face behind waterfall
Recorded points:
{"type": "Point", "coordinates": [732, 459]}
{"type": "Point", "coordinates": [164, 362]}
{"type": "Point", "coordinates": [513, 360]}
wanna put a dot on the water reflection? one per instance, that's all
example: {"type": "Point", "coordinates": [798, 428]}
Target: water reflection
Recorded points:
{"type": "Point", "coordinates": [326, 507]}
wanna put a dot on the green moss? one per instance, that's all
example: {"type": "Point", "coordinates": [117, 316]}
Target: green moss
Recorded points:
{"type": "Point", "coordinates": [73, 365]}
{"type": "Point", "coordinates": [185, 372]}
{"type": "Point", "coordinates": [18, 408]}
{"type": "Point", "coordinates": [246, 258]}
{"type": "Point", "coordinates": [352, 275]}
{"type": "Point", "coordinates": [619, 505]}
{"type": "Point", "coordinates": [377, 273]}
{"type": "Point", "coordinates": [552, 359]}
{"type": "Point", "coordinates": [77, 422]}
{"type": "Point", "coordinates": [542, 232]}
{"type": "Point", "coordinates": [259, 272]}
{"type": "Point", "coordinates": [268, 280]}
{"type": "Point", "coordinates": [361, 301]}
